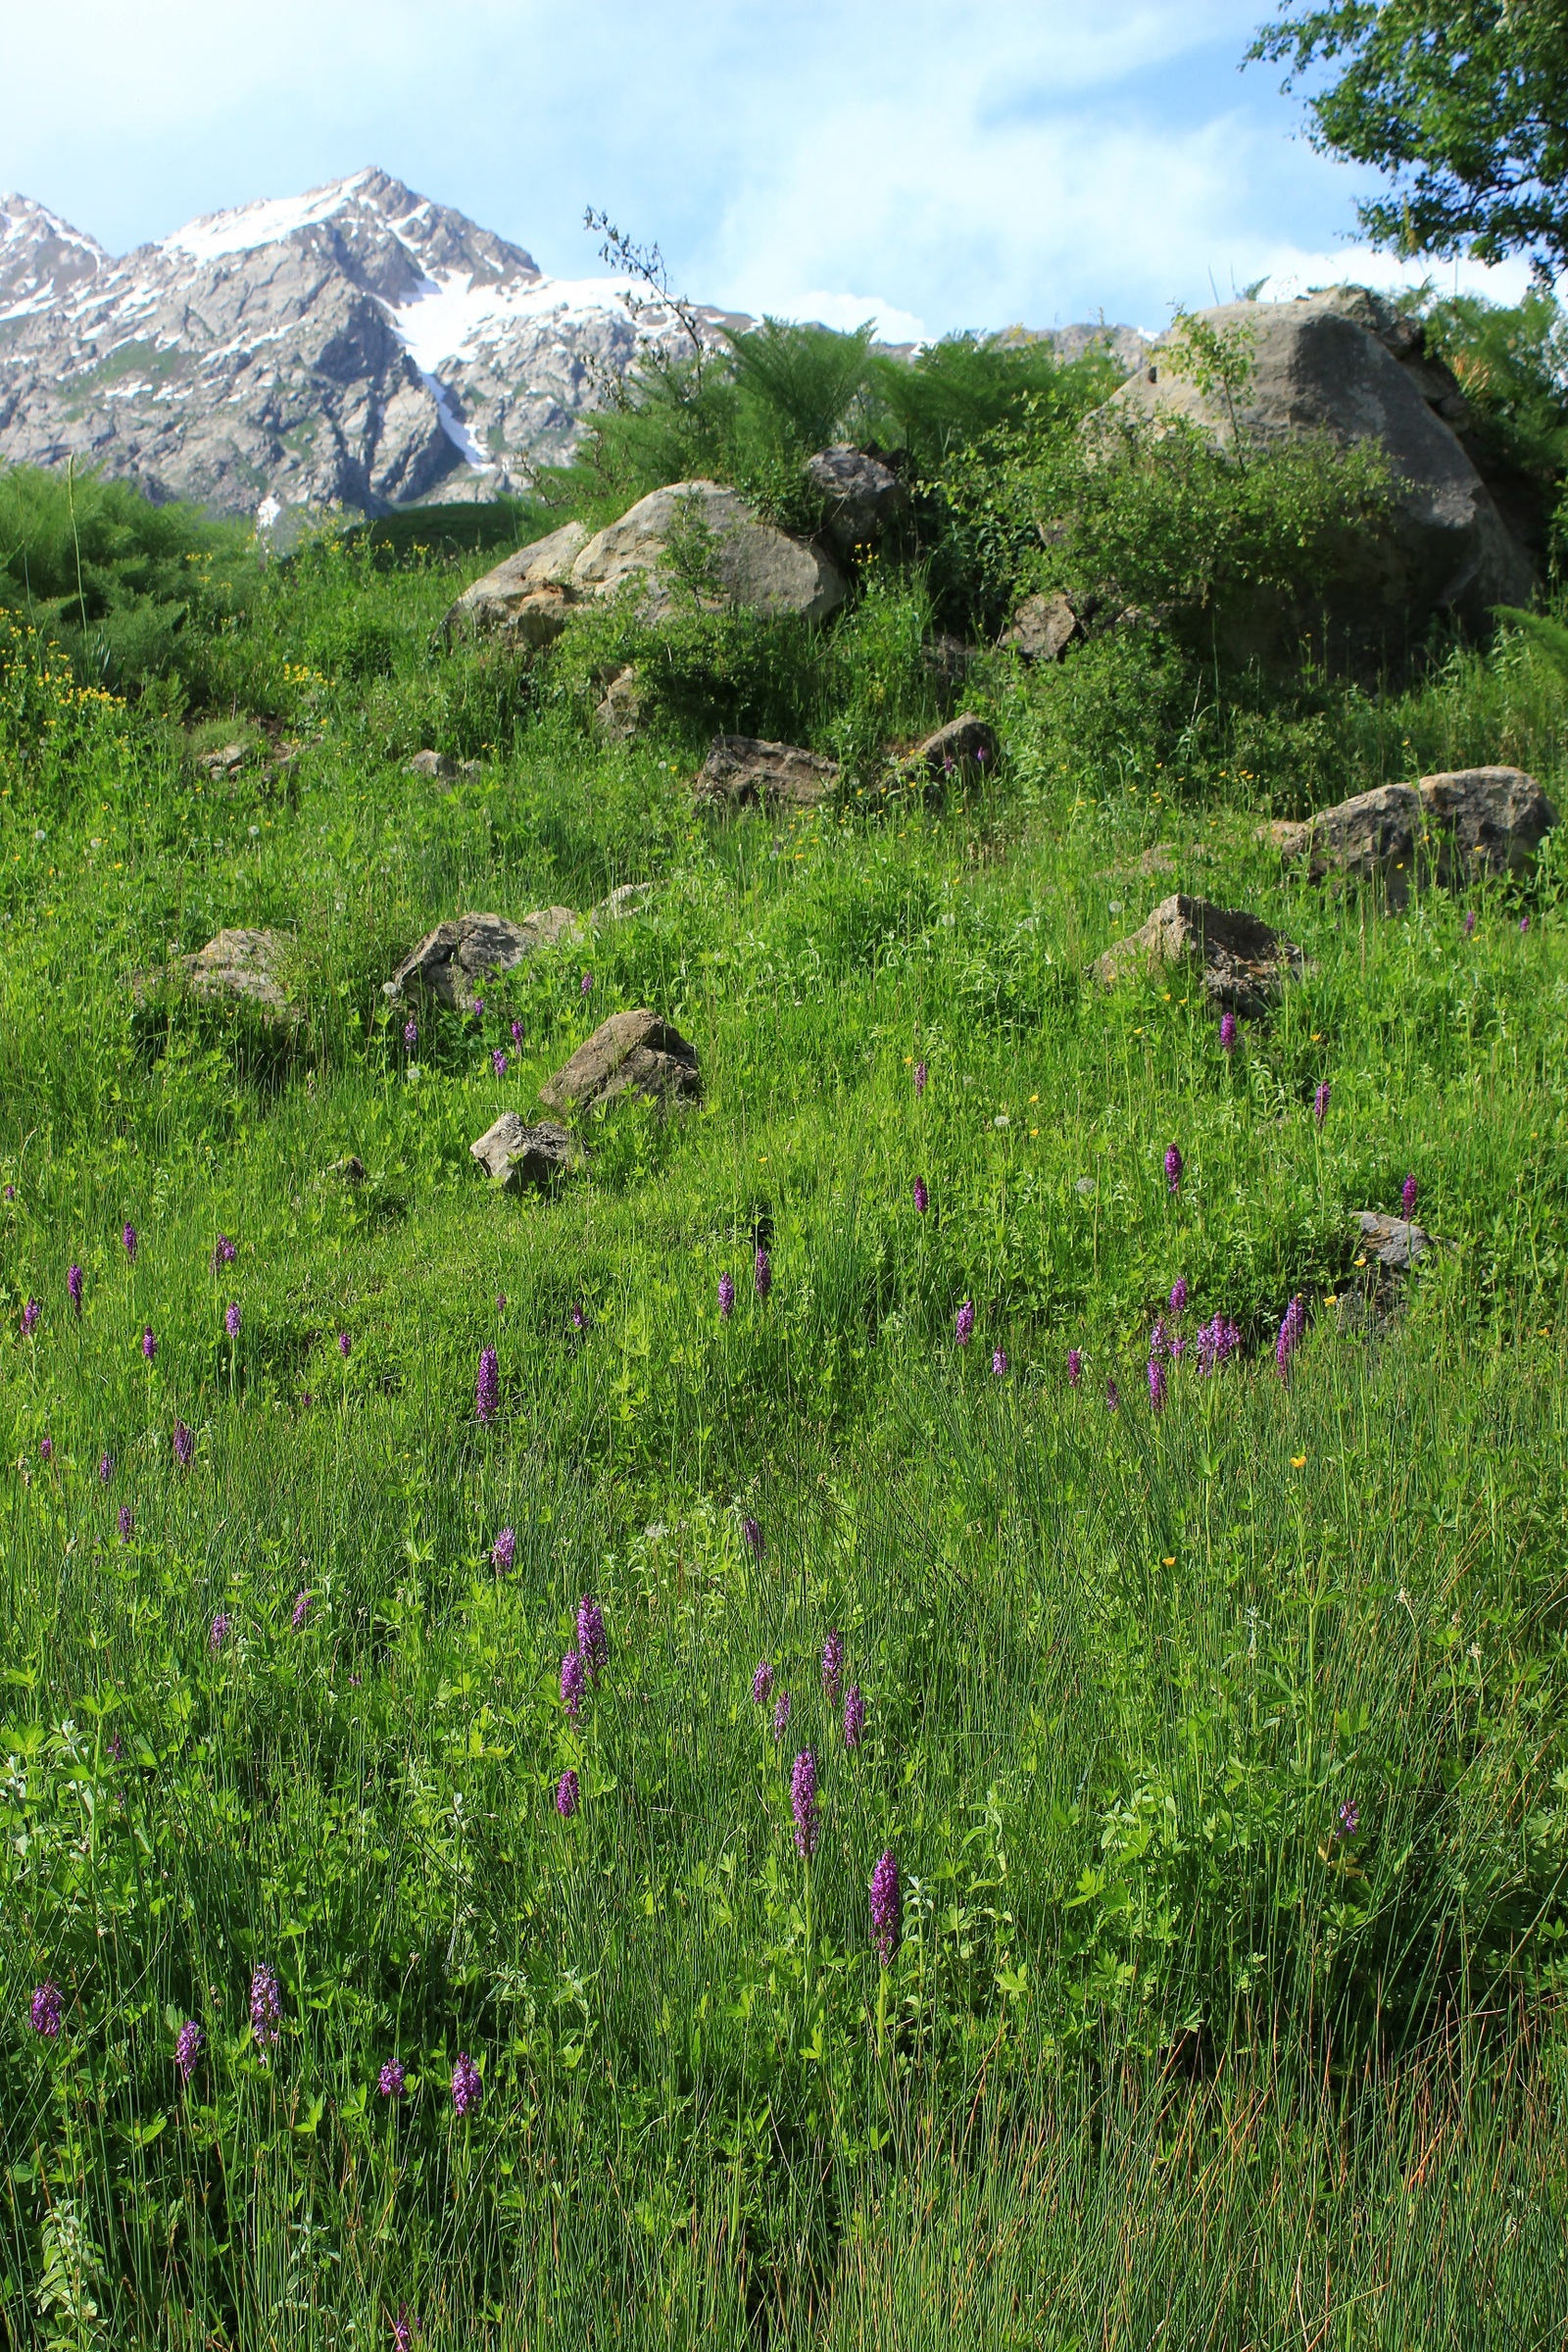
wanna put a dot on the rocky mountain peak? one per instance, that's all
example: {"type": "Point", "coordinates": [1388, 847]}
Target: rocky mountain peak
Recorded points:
{"type": "Point", "coordinates": [42, 258]}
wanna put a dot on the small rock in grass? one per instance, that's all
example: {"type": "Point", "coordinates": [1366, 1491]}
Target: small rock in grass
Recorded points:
{"type": "Point", "coordinates": [520, 1157]}
{"type": "Point", "coordinates": [1043, 628]}
{"type": "Point", "coordinates": [632, 1052]}
{"type": "Point", "coordinates": [241, 966]}
{"type": "Point", "coordinates": [956, 754]}
{"type": "Point", "coordinates": [1243, 961]}
{"type": "Point", "coordinates": [1464, 823]}
{"type": "Point", "coordinates": [433, 764]}
{"type": "Point", "coordinates": [352, 1169]}
{"type": "Point", "coordinates": [747, 771]}
{"type": "Point", "coordinates": [454, 960]}
{"type": "Point", "coordinates": [626, 899]}
{"type": "Point", "coordinates": [1393, 1241]}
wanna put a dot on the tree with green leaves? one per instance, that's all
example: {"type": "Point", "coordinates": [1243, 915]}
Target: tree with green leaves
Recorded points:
{"type": "Point", "coordinates": [1465, 102]}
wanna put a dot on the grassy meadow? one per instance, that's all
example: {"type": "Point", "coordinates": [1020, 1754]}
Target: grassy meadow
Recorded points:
{"type": "Point", "coordinates": [1218, 1743]}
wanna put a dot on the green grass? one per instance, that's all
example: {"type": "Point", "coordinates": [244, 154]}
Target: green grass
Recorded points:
{"type": "Point", "coordinates": [1163, 2054]}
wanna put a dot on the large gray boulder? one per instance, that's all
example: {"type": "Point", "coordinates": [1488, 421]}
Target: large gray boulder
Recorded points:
{"type": "Point", "coordinates": [707, 537]}
{"type": "Point", "coordinates": [527, 600]}
{"type": "Point", "coordinates": [1320, 369]}
{"type": "Point", "coordinates": [632, 1052]}
{"type": "Point", "coordinates": [1469, 823]}
{"type": "Point", "coordinates": [747, 771]}
{"type": "Point", "coordinates": [1043, 628]}
{"type": "Point", "coordinates": [458, 956]}
{"type": "Point", "coordinates": [864, 501]}
{"type": "Point", "coordinates": [1239, 962]}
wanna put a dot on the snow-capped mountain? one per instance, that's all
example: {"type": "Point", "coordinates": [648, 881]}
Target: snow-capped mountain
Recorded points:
{"type": "Point", "coordinates": [358, 344]}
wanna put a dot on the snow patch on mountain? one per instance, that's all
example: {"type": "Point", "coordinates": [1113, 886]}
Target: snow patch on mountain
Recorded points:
{"type": "Point", "coordinates": [267, 221]}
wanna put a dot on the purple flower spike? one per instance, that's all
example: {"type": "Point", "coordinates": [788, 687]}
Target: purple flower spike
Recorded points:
{"type": "Point", "coordinates": [1174, 1165]}
{"type": "Point", "coordinates": [1227, 1031]}
{"type": "Point", "coordinates": [1470, 923]}
{"type": "Point", "coordinates": [149, 1343]}
{"type": "Point", "coordinates": [516, 1033]}
{"type": "Point", "coordinates": [761, 1684]}
{"type": "Point", "coordinates": [127, 1235]}
{"type": "Point", "coordinates": [411, 1033]}
{"type": "Point", "coordinates": [125, 1523]}
{"type": "Point", "coordinates": [574, 1682]}
{"type": "Point", "coordinates": [762, 1272]}
{"type": "Point", "coordinates": [1215, 1342]}
{"type": "Point", "coordinates": [579, 1318]}
{"type": "Point", "coordinates": [781, 1715]}
{"type": "Point", "coordinates": [503, 1550]}
{"type": "Point", "coordinates": [498, 1062]}
{"type": "Point", "coordinates": [833, 1665]}
{"type": "Point", "coordinates": [593, 1643]}
{"type": "Point", "coordinates": [587, 983]}
{"type": "Point", "coordinates": [964, 1323]}
{"type": "Point", "coordinates": [189, 2048]}
{"type": "Point", "coordinates": [1075, 1366]}
{"type": "Point", "coordinates": [1291, 1332]}
{"type": "Point", "coordinates": [46, 1449]}
{"type": "Point", "coordinates": [854, 1716]}
{"type": "Point", "coordinates": [479, 1003]}
{"type": "Point", "coordinates": [1350, 1819]}
{"type": "Point", "coordinates": [1523, 925]}
{"type": "Point", "coordinates": [224, 1252]}
{"type": "Point", "coordinates": [302, 1609]}
{"type": "Point", "coordinates": [29, 1318]}
{"type": "Point", "coordinates": [344, 1344]}
{"type": "Point", "coordinates": [488, 1388]}
{"type": "Point", "coordinates": [1320, 1102]}
{"type": "Point", "coordinates": [1157, 1337]}
{"type": "Point", "coordinates": [392, 2079]}
{"type": "Point", "coordinates": [47, 2010]}
{"type": "Point", "coordinates": [184, 1444]}
{"type": "Point", "coordinates": [886, 1907]}
{"type": "Point", "coordinates": [999, 1363]}
{"type": "Point", "coordinates": [105, 1468]}
{"type": "Point", "coordinates": [1112, 1397]}
{"type": "Point", "coordinates": [267, 2006]}
{"type": "Point", "coordinates": [74, 1286]}
{"type": "Point", "coordinates": [1407, 1194]}
{"type": "Point", "coordinates": [752, 1535]}
{"type": "Point", "coordinates": [465, 2086]}
{"type": "Point", "coordinates": [923, 1199]}
{"type": "Point", "coordinates": [1179, 1295]}
{"type": "Point", "coordinates": [403, 2327]}
{"type": "Point", "coordinates": [220, 1630]}
{"type": "Point", "coordinates": [803, 1805]}
{"type": "Point", "coordinates": [920, 1078]}
{"type": "Point", "coordinates": [231, 1318]}
{"type": "Point", "coordinates": [1157, 1385]}
{"type": "Point", "coordinates": [566, 1793]}
{"type": "Point", "coordinates": [726, 1298]}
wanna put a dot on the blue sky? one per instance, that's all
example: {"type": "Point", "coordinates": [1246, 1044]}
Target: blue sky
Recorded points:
{"type": "Point", "coordinates": [940, 165]}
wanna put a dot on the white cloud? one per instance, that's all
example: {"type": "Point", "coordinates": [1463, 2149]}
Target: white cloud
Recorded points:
{"type": "Point", "coordinates": [847, 311]}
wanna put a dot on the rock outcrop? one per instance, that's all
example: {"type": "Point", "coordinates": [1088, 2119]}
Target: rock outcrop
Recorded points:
{"type": "Point", "coordinates": [632, 1052]}
{"type": "Point", "coordinates": [1043, 628]}
{"type": "Point", "coordinates": [864, 501]}
{"type": "Point", "coordinates": [744, 771]}
{"type": "Point", "coordinates": [1469, 823]}
{"type": "Point", "coordinates": [1320, 368]}
{"type": "Point", "coordinates": [522, 1158]}
{"type": "Point", "coordinates": [456, 959]}
{"type": "Point", "coordinates": [1239, 961]}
